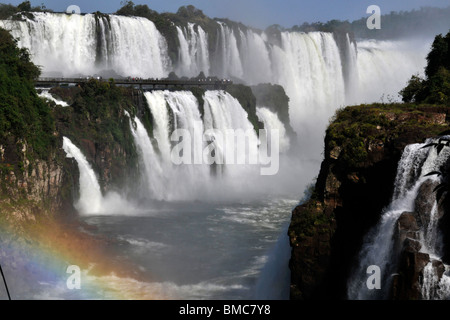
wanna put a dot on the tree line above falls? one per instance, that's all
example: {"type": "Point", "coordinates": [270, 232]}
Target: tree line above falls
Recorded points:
{"type": "Point", "coordinates": [426, 21]}
{"type": "Point", "coordinates": [395, 25]}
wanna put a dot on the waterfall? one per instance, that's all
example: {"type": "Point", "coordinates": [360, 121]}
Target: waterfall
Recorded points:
{"type": "Point", "coordinates": [156, 101]}
{"type": "Point", "coordinates": [274, 281]}
{"type": "Point", "coordinates": [318, 74]}
{"type": "Point", "coordinates": [378, 248]}
{"type": "Point", "coordinates": [175, 112]}
{"type": "Point", "coordinates": [159, 165]}
{"type": "Point", "coordinates": [203, 49]}
{"type": "Point", "coordinates": [272, 122]}
{"type": "Point", "coordinates": [91, 197]}
{"type": "Point", "coordinates": [48, 96]}
{"type": "Point", "coordinates": [223, 112]}
{"type": "Point", "coordinates": [228, 60]}
{"type": "Point", "coordinates": [72, 45]}
{"type": "Point", "coordinates": [384, 67]}
{"type": "Point", "coordinates": [153, 172]}
{"type": "Point", "coordinates": [317, 78]}
{"type": "Point", "coordinates": [256, 58]}
{"type": "Point", "coordinates": [309, 67]}
{"type": "Point", "coordinates": [193, 51]}
{"type": "Point", "coordinates": [351, 75]}
{"type": "Point", "coordinates": [91, 200]}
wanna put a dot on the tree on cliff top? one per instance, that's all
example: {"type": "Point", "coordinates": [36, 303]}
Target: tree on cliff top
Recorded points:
{"type": "Point", "coordinates": [189, 12]}
{"type": "Point", "coordinates": [435, 88]}
{"type": "Point", "coordinates": [439, 55]}
{"type": "Point", "coordinates": [141, 10]}
{"type": "Point", "coordinates": [24, 6]}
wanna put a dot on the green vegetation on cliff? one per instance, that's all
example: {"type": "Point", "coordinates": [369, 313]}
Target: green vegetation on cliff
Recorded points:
{"type": "Point", "coordinates": [9, 11]}
{"type": "Point", "coordinates": [356, 130]}
{"type": "Point", "coordinates": [363, 145]}
{"type": "Point", "coordinates": [96, 123]}
{"type": "Point", "coordinates": [31, 167]}
{"type": "Point", "coordinates": [23, 114]}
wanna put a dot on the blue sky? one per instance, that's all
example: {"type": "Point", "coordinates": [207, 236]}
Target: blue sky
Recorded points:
{"type": "Point", "coordinates": [257, 13]}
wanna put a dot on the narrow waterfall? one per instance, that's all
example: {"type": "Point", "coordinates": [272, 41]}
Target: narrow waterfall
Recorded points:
{"type": "Point", "coordinates": [91, 200]}
{"type": "Point", "coordinates": [91, 197]}
{"type": "Point", "coordinates": [379, 248]}
{"type": "Point", "coordinates": [223, 112]}
{"type": "Point", "coordinates": [227, 60]}
{"type": "Point", "coordinates": [193, 51]}
{"type": "Point", "coordinates": [153, 173]}
{"type": "Point", "coordinates": [256, 57]}
{"type": "Point", "coordinates": [272, 122]}
{"type": "Point", "coordinates": [156, 101]}
{"type": "Point", "coordinates": [351, 76]}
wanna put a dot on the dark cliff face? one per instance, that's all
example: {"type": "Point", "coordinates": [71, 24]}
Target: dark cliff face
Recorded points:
{"type": "Point", "coordinates": [362, 148]}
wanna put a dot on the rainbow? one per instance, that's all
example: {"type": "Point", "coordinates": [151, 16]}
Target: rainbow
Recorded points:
{"type": "Point", "coordinates": [36, 266]}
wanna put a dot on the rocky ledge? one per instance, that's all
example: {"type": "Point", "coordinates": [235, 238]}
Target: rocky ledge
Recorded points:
{"type": "Point", "coordinates": [363, 145]}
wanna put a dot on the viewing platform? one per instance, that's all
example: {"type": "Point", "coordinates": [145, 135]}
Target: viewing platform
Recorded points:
{"type": "Point", "coordinates": [146, 84]}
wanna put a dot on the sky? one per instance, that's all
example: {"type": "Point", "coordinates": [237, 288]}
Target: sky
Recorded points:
{"type": "Point", "coordinates": [256, 13]}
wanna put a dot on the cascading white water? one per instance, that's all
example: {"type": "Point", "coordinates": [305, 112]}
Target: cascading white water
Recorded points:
{"type": "Point", "coordinates": [384, 67]}
{"type": "Point", "coordinates": [317, 78]}
{"type": "Point", "coordinates": [307, 65]}
{"type": "Point", "coordinates": [153, 180]}
{"type": "Point", "coordinates": [415, 164]}
{"type": "Point", "coordinates": [228, 60]}
{"type": "Point", "coordinates": [179, 112]}
{"type": "Point", "coordinates": [223, 112]}
{"type": "Point", "coordinates": [193, 51]}
{"type": "Point", "coordinates": [48, 96]}
{"type": "Point", "coordinates": [159, 164]}
{"type": "Point", "coordinates": [310, 66]}
{"type": "Point", "coordinates": [272, 122]}
{"type": "Point", "coordinates": [351, 76]}
{"type": "Point", "coordinates": [91, 200]}
{"type": "Point", "coordinates": [91, 197]}
{"type": "Point", "coordinates": [256, 60]}
{"type": "Point", "coordinates": [156, 101]}
{"type": "Point", "coordinates": [185, 59]}
{"type": "Point", "coordinates": [72, 45]}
